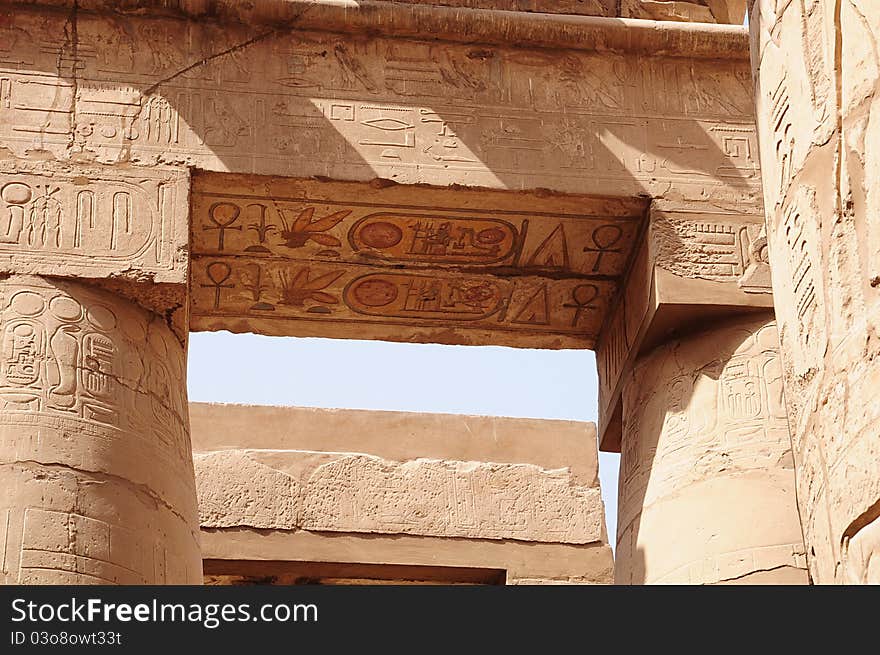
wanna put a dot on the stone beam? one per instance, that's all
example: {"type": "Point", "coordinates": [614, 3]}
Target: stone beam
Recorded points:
{"type": "Point", "coordinates": [70, 220]}
{"type": "Point", "coordinates": [363, 494]}
{"type": "Point", "coordinates": [350, 260]}
{"type": "Point", "coordinates": [593, 26]}
{"type": "Point", "coordinates": [693, 265]}
{"type": "Point", "coordinates": [656, 109]}
{"type": "Point", "coordinates": [307, 475]}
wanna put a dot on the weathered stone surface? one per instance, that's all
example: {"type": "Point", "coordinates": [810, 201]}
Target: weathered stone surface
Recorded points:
{"type": "Point", "coordinates": [707, 489]}
{"type": "Point", "coordinates": [448, 20]}
{"type": "Point", "coordinates": [94, 222]}
{"type": "Point", "coordinates": [577, 7]}
{"type": "Point", "coordinates": [307, 258]}
{"type": "Point", "coordinates": [272, 481]}
{"type": "Point", "coordinates": [237, 490]}
{"type": "Point", "coordinates": [706, 11]}
{"type": "Point", "coordinates": [94, 443]}
{"type": "Point", "coordinates": [359, 493]}
{"type": "Point", "coordinates": [399, 436]}
{"type": "Point", "coordinates": [700, 11]}
{"type": "Point", "coordinates": [239, 551]}
{"type": "Point", "coordinates": [817, 74]}
{"type": "Point", "coordinates": [227, 97]}
{"type": "Point", "coordinates": [693, 264]}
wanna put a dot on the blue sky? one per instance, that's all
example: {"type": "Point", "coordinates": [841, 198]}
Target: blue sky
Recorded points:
{"type": "Point", "coordinates": [258, 370]}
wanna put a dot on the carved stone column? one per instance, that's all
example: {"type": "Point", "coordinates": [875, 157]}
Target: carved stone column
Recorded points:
{"type": "Point", "coordinates": [817, 79]}
{"type": "Point", "coordinates": [95, 465]}
{"type": "Point", "coordinates": [707, 490]}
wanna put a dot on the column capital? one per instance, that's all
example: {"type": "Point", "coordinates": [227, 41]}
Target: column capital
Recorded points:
{"type": "Point", "coordinates": [91, 221]}
{"type": "Point", "coordinates": [695, 263]}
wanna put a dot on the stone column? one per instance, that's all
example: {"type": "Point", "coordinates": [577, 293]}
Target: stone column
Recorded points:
{"type": "Point", "coordinates": [95, 464]}
{"type": "Point", "coordinates": [707, 490]}
{"type": "Point", "coordinates": [95, 468]}
{"type": "Point", "coordinates": [817, 78]}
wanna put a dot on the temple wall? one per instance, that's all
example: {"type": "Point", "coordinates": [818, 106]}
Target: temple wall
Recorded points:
{"type": "Point", "coordinates": [441, 481]}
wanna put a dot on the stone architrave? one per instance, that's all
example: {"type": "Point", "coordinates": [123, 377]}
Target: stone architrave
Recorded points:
{"type": "Point", "coordinates": [359, 493]}
{"type": "Point", "coordinates": [95, 464]}
{"type": "Point", "coordinates": [700, 11]}
{"type": "Point", "coordinates": [817, 78]}
{"type": "Point", "coordinates": [520, 496]}
{"type": "Point", "coordinates": [707, 489]}
{"type": "Point", "coordinates": [476, 267]}
{"type": "Point", "coordinates": [412, 94]}
{"type": "Point", "coordinates": [705, 11]}
{"type": "Point", "coordinates": [692, 264]}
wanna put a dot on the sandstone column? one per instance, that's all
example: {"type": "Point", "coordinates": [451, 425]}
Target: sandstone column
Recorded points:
{"type": "Point", "coordinates": [95, 465]}
{"type": "Point", "coordinates": [706, 481]}
{"type": "Point", "coordinates": [817, 75]}
{"type": "Point", "coordinates": [95, 460]}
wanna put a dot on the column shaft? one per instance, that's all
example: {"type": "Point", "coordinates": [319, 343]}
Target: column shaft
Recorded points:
{"type": "Point", "coordinates": [817, 76]}
{"type": "Point", "coordinates": [95, 459]}
{"type": "Point", "coordinates": [706, 480]}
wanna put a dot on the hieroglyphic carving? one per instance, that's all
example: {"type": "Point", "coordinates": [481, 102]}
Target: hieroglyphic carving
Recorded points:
{"type": "Point", "coordinates": [718, 248]}
{"type": "Point", "coordinates": [712, 429]}
{"type": "Point", "coordinates": [690, 256]}
{"type": "Point", "coordinates": [702, 11]}
{"type": "Point", "coordinates": [93, 222]}
{"type": "Point", "coordinates": [360, 493]}
{"type": "Point", "coordinates": [280, 296]}
{"type": "Point", "coordinates": [332, 223]}
{"type": "Point", "coordinates": [68, 548]}
{"type": "Point", "coordinates": [287, 250]}
{"type": "Point", "coordinates": [75, 361]}
{"type": "Point", "coordinates": [816, 79]}
{"type": "Point", "coordinates": [411, 111]}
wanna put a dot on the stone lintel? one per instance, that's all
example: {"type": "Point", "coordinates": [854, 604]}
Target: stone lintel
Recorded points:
{"type": "Point", "coordinates": [361, 493]}
{"type": "Point", "coordinates": [146, 89]}
{"type": "Point", "coordinates": [663, 33]}
{"type": "Point", "coordinates": [399, 436]}
{"type": "Point", "coordinates": [439, 483]}
{"type": "Point", "coordinates": [418, 264]}
{"type": "Point", "coordinates": [694, 266]}
{"type": "Point", "coordinates": [237, 551]}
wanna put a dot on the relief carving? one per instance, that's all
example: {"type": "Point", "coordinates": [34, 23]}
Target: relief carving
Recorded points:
{"type": "Point", "coordinates": [413, 111]}
{"type": "Point", "coordinates": [817, 77]}
{"type": "Point", "coordinates": [700, 446]}
{"type": "Point", "coordinates": [93, 222]}
{"type": "Point", "coordinates": [320, 251]}
{"type": "Point", "coordinates": [361, 493]}
{"type": "Point", "coordinates": [76, 361]}
{"type": "Point", "coordinates": [713, 248]}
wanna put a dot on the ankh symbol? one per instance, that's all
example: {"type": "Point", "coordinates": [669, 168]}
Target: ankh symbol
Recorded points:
{"type": "Point", "coordinates": [214, 271]}
{"type": "Point", "coordinates": [583, 296]}
{"type": "Point", "coordinates": [606, 244]}
{"type": "Point", "coordinates": [222, 226]}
